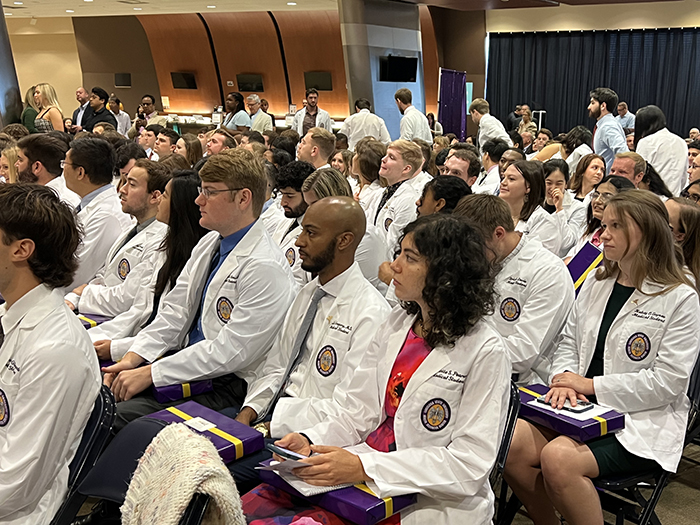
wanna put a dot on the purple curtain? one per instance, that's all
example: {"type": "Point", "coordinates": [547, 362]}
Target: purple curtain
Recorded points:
{"type": "Point", "coordinates": [452, 113]}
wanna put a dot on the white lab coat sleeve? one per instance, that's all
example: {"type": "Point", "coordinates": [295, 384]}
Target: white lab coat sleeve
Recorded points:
{"type": "Point", "coordinates": [255, 321]}
{"type": "Point", "coordinates": [464, 465]}
{"type": "Point", "coordinates": [667, 378]}
{"type": "Point", "coordinates": [384, 136]}
{"type": "Point", "coordinates": [542, 316]}
{"type": "Point", "coordinates": [569, 229]}
{"type": "Point", "coordinates": [548, 233]}
{"type": "Point", "coordinates": [293, 413]}
{"type": "Point", "coordinates": [298, 121]}
{"type": "Point", "coordinates": [345, 127]}
{"type": "Point", "coordinates": [38, 434]}
{"type": "Point", "coordinates": [406, 129]}
{"type": "Point", "coordinates": [99, 234]}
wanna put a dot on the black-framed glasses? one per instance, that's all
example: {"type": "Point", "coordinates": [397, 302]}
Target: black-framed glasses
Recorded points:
{"type": "Point", "coordinates": [692, 196]}
{"type": "Point", "coordinates": [64, 162]}
{"type": "Point", "coordinates": [208, 193]}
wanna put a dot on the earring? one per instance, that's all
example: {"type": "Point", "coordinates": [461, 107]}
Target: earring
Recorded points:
{"type": "Point", "coordinates": [525, 199]}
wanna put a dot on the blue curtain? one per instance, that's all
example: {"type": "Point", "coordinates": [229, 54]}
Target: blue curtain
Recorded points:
{"type": "Point", "coordinates": [556, 71]}
{"type": "Point", "coordinates": [452, 113]}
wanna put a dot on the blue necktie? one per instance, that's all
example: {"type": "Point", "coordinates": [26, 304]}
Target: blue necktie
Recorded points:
{"type": "Point", "coordinates": [196, 332]}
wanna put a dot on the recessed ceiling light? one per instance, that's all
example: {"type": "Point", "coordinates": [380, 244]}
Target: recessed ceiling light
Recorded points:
{"type": "Point", "coordinates": [18, 3]}
{"type": "Point", "coordinates": [69, 11]}
{"type": "Point", "coordinates": [8, 14]}
{"type": "Point", "coordinates": [137, 9]}
{"type": "Point", "coordinates": [211, 7]}
{"type": "Point", "coordinates": [291, 3]}
{"type": "Point", "coordinates": [87, 0]}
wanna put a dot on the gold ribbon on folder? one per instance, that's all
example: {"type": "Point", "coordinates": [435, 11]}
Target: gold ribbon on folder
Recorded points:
{"type": "Point", "coordinates": [592, 266]}
{"type": "Point", "coordinates": [89, 321]}
{"type": "Point", "coordinates": [388, 502]}
{"type": "Point", "coordinates": [217, 431]}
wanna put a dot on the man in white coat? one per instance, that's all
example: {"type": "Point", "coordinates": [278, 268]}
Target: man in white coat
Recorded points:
{"type": "Point", "coordinates": [227, 307]}
{"type": "Point", "coordinates": [534, 289]}
{"type": "Point", "coordinates": [363, 124]}
{"type": "Point", "coordinates": [39, 161]}
{"type": "Point", "coordinates": [414, 125]}
{"type": "Point", "coordinates": [489, 126]}
{"type": "Point", "coordinates": [49, 378]}
{"type": "Point", "coordinates": [314, 359]}
{"type": "Point", "coordinates": [88, 170]}
{"type": "Point", "coordinates": [311, 116]}
{"type": "Point", "coordinates": [133, 256]}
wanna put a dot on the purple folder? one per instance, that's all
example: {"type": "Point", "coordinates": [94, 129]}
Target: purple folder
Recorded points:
{"type": "Point", "coordinates": [232, 439]}
{"type": "Point", "coordinates": [588, 258]}
{"type": "Point", "coordinates": [90, 321]}
{"type": "Point", "coordinates": [357, 504]}
{"type": "Point", "coordinates": [167, 393]}
{"type": "Point", "coordinates": [583, 431]}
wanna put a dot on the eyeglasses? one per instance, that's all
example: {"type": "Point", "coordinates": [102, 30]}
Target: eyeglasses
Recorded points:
{"type": "Point", "coordinates": [693, 196]}
{"type": "Point", "coordinates": [604, 197]}
{"type": "Point", "coordinates": [64, 162]}
{"type": "Point", "coordinates": [208, 193]}
{"type": "Point", "coordinates": [694, 167]}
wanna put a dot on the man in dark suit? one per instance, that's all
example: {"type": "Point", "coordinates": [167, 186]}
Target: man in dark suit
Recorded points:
{"type": "Point", "coordinates": [100, 113]}
{"type": "Point", "coordinates": [82, 113]}
{"type": "Point", "coordinates": [513, 119]}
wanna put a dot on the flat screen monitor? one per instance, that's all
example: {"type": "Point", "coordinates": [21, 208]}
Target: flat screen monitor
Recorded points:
{"type": "Point", "coordinates": [183, 80]}
{"type": "Point", "coordinates": [321, 80]}
{"type": "Point", "coordinates": [398, 69]}
{"type": "Point", "coordinates": [122, 80]}
{"type": "Point", "coordinates": [250, 82]}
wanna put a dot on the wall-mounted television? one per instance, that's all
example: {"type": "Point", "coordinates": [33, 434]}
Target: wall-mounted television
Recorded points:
{"type": "Point", "coordinates": [250, 82]}
{"type": "Point", "coordinates": [398, 69]}
{"type": "Point", "coordinates": [122, 80]}
{"type": "Point", "coordinates": [183, 80]}
{"type": "Point", "coordinates": [321, 80]}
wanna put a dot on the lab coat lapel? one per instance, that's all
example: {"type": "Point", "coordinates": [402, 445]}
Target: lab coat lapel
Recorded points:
{"type": "Point", "coordinates": [436, 360]}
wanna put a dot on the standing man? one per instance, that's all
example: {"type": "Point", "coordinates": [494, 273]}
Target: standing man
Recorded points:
{"type": "Point", "coordinates": [489, 126]}
{"type": "Point", "coordinates": [81, 114]}
{"type": "Point", "coordinates": [513, 119]}
{"type": "Point", "coordinates": [364, 124]}
{"type": "Point", "coordinates": [625, 117]}
{"type": "Point", "coordinates": [414, 125]}
{"type": "Point", "coordinates": [608, 136]}
{"type": "Point", "coordinates": [311, 116]}
{"type": "Point", "coordinates": [123, 119]}
{"type": "Point", "coordinates": [316, 147]}
{"type": "Point", "coordinates": [148, 116]}
{"type": "Point", "coordinates": [100, 113]}
{"type": "Point", "coordinates": [49, 376]}
{"type": "Point", "coordinates": [261, 121]}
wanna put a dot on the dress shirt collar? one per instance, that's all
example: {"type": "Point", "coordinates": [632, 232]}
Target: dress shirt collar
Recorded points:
{"type": "Point", "coordinates": [85, 201]}
{"type": "Point", "coordinates": [230, 242]}
{"type": "Point", "coordinates": [335, 286]}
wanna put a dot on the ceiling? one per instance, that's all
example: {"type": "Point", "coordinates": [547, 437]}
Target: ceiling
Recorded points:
{"type": "Point", "coordinates": [54, 8]}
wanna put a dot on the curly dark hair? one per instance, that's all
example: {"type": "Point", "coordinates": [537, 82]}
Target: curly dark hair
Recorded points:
{"type": "Point", "coordinates": [31, 211]}
{"type": "Point", "coordinates": [459, 284]}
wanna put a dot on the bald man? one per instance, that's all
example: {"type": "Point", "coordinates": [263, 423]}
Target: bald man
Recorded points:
{"type": "Point", "coordinates": [307, 369]}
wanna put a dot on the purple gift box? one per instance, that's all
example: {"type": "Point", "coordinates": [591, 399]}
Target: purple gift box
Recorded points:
{"type": "Point", "coordinates": [232, 439]}
{"type": "Point", "coordinates": [167, 393]}
{"type": "Point", "coordinates": [357, 503]}
{"type": "Point", "coordinates": [587, 259]}
{"type": "Point", "coordinates": [91, 321]}
{"type": "Point", "coordinates": [583, 431]}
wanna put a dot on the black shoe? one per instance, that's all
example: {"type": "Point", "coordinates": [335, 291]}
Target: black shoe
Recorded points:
{"type": "Point", "coordinates": [103, 513]}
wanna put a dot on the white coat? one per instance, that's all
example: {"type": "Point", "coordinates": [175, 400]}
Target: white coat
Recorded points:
{"type": "Point", "coordinates": [668, 153]}
{"type": "Point", "coordinates": [571, 222]}
{"type": "Point", "coordinates": [488, 182]}
{"type": "Point", "coordinates": [534, 295]}
{"type": "Point", "coordinates": [272, 217]}
{"type": "Point", "coordinates": [419, 180]}
{"type": "Point", "coordinates": [58, 184]}
{"type": "Point", "coordinates": [287, 243]}
{"type": "Point", "coordinates": [365, 124]}
{"type": "Point", "coordinates": [244, 308]}
{"type": "Point", "coordinates": [650, 351]}
{"type": "Point", "coordinates": [542, 227]}
{"type": "Point", "coordinates": [112, 291]}
{"type": "Point", "coordinates": [414, 125]}
{"type": "Point", "coordinates": [346, 320]}
{"type": "Point", "coordinates": [49, 380]}
{"type": "Point", "coordinates": [398, 211]}
{"type": "Point", "coordinates": [323, 120]}
{"type": "Point", "coordinates": [103, 222]}
{"type": "Point", "coordinates": [369, 198]}
{"type": "Point", "coordinates": [447, 460]}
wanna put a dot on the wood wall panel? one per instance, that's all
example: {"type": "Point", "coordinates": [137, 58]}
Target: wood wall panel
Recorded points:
{"type": "Point", "coordinates": [312, 43]}
{"type": "Point", "coordinates": [179, 43]}
{"type": "Point", "coordinates": [247, 43]}
{"type": "Point", "coordinates": [431, 70]}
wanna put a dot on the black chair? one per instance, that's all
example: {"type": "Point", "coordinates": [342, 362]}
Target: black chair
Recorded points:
{"type": "Point", "coordinates": [95, 436]}
{"type": "Point", "coordinates": [513, 409]}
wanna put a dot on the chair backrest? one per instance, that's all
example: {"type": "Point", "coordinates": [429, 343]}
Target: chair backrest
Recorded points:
{"type": "Point", "coordinates": [693, 428]}
{"type": "Point", "coordinates": [195, 511]}
{"type": "Point", "coordinates": [512, 418]}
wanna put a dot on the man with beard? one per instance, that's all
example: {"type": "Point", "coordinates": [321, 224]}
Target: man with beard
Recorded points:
{"type": "Point", "coordinates": [414, 125]}
{"type": "Point", "coordinates": [608, 135]}
{"type": "Point", "coordinates": [311, 116]}
{"type": "Point", "coordinates": [39, 161]}
{"type": "Point", "coordinates": [325, 334]}
{"type": "Point", "coordinates": [289, 182]}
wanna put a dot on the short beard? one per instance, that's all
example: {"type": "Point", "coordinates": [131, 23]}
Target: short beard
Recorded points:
{"type": "Point", "coordinates": [321, 261]}
{"type": "Point", "coordinates": [594, 114]}
{"type": "Point", "coordinates": [296, 212]}
{"type": "Point", "coordinates": [27, 176]}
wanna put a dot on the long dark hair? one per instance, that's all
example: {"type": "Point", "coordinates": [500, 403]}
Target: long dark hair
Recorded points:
{"type": "Point", "coordinates": [576, 137]}
{"type": "Point", "coordinates": [184, 231]}
{"type": "Point", "coordinates": [533, 173]}
{"type": "Point", "coordinates": [459, 284]}
{"type": "Point", "coordinates": [648, 121]}
{"type": "Point", "coordinates": [621, 184]}
{"type": "Point", "coordinates": [656, 183]}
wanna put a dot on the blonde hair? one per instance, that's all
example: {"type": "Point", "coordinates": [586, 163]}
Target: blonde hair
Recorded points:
{"type": "Point", "coordinates": [640, 165]}
{"type": "Point", "coordinates": [29, 99]}
{"type": "Point", "coordinates": [327, 182]}
{"type": "Point", "coordinates": [11, 154]}
{"type": "Point", "coordinates": [480, 105]}
{"type": "Point", "coordinates": [656, 257]}
{"type": "Point", "coordinates": [324, 140]}
{"type": "Point", "coordinates": [410, 152]}
{"type": "Point", "coordinates": [48, 93]}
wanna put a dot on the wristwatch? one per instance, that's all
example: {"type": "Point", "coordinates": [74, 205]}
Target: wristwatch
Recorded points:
{"type": "Point", "coordinates": [262, 428]}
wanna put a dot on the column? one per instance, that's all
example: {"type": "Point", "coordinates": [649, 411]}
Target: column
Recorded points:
{"type": "Point", "coordinates": [10, 96]}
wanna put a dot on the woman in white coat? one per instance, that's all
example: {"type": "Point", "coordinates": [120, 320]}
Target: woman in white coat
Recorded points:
{"type": "Point", "coordinates": [523, 189]}
{"type": "Point", "coordinates": [569, 214]}
{"type": "Point", "coordinates": [426, 409]}
{"type": "Point", "coordinates": [631, 341]}
{"type": "Point", "coordinates": [589, 172]}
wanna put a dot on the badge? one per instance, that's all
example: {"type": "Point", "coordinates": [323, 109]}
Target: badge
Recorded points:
{"type": "Point", "coordinates": [638, 346]}
{"type": "Point", "coordinates": [435, 414]}
{"type": "Point", "coordinates": [291, 256]}
{"type": "Point", "coordinates": [123, 269]}
{"type": "Point", "coordinates": [387, 223]}
{"type": "Point", "coordinates": [4, 409]}
{"type": "Point", "coordinates": [510, 309]}
{"type": "Point", "coordinates": [326, 361]}
{"type": "Point", "coordinates": [224, 309]}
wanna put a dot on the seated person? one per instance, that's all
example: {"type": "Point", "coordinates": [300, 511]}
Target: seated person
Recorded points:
{"type": "Point", "coordinates": [441, 195]}
{"type": "Point", "coordinates": [325, 334]}
{"type": "Point", "coordinates": [639, 365]}
{"type": "Point", "coordinates": [49, 378]}
{"type": "Point", "coordinates": [427, 405]}
{"type": "Point", "coordinates": [535, 290]}
{"type": "Point", "coordinates": [131, 257]}
{"type": "Point", "coordinates": [177, 210]}
{"type": "Point", "coordinates": [227, 306]}
{"type": "Point", "coordinates": [88, 170]}
{"type": "Point", "coordinates": [569, 213]}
